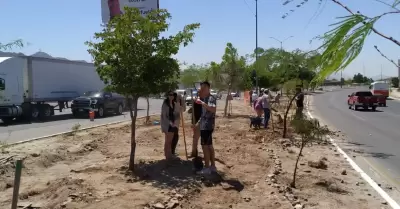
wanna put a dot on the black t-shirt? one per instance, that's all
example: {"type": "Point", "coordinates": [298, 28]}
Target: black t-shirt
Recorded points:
{"type": "Point", "coordinates": [197, 109]}
{"type": "Point", "coordinates": [300, 100]}
{"type": "Point", "coordinates": [171, 113]}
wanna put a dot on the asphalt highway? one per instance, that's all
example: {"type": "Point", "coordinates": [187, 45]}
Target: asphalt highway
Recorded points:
{"type": "Point", "coordinates": [64, 121]}
{"type": "Point", "coordinates": [375, 136]}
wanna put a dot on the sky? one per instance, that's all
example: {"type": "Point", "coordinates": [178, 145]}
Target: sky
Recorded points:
{"type": "Point", "coordinates": [60, 28]}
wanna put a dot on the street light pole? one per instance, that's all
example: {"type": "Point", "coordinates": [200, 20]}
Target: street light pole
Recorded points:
{"type": "Point", "coordinates": [257, 47]}
{"type": "Point", "coordinates": [281, 42]}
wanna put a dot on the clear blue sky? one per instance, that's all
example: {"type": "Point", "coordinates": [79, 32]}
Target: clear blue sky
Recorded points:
{"type": "Point", "coordinates": [61, 27]}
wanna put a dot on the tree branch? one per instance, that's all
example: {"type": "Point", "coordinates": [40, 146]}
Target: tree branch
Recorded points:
{"type": "Point", "coordinates": [373, 29]}
{"type": "Point", "coordinates": [383, 55]}
{"type": "Point", "coordinates": [391, 6]}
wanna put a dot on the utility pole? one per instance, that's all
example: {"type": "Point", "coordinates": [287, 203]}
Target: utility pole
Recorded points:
{"type": "Point", "coordinates": [381, 74]}
{"type": "Point", "coordinates": [341, 79]}
{"type": "Point", "coordinates": [364, 70]}
{"type": "Point", "coordinates": [257, 89]}
{"type": "Point", "coordinates": [398, 69]}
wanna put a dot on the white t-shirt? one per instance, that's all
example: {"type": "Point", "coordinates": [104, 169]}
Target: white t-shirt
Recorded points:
{"type": "Point", "coordinates": [254, 97]}
{"type": "Point", "coordinates": [265, 101]}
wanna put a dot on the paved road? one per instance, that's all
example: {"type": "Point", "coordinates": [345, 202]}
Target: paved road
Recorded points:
{"type": "Point", "coordinates": [375, 134]}
{"type": "Point", "coordinates": [64, 121]}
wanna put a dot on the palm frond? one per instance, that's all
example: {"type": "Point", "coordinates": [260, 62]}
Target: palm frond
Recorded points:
{"type": "Point", "coordinates": [343, 44]}
{"type": "Point", "coordinates": [396, 3]}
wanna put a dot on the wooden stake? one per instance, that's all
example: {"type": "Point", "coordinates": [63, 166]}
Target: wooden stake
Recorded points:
{"type": "Point", "coordinates": [17, 181]}
{"type": "Point", "coordinates": [184, 135]}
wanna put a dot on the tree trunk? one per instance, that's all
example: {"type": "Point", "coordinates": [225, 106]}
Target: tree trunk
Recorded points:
{"type": "Point", "coordinates": [293, 184]}
{"type": "Point", "coordinates": [285, 116]}
{"type": "Point", "coordinates": [133, 114]}
{"type": "Point", "coordinates": [148, 110]}
{"type": "Point", "coordinates": [226, 103]}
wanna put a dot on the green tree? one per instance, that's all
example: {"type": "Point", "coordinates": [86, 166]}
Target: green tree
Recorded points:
{"type": "Point", "coordinates": [193, 73]}
{"type": "Point", "coordinates": [359, 78]}
{"type": "Point", "coordinates": [232, 71]}
{"type": "Point", "coordinates": [133, 59]}
{"type": "Point", "coordinates": [395, 82]}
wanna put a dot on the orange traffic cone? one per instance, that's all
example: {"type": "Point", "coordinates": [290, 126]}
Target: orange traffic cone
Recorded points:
{"type": "Point", "coordinates": [91, 115]}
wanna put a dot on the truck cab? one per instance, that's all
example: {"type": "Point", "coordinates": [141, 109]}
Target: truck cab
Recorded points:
{"type": "Point", "coordinates": [101, 102]}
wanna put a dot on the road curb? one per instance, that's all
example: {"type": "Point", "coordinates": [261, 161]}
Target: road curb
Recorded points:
{"type": "Point", "coordinates": [67, 132]}
{"type": "Point", "coordinates": [357, 168]}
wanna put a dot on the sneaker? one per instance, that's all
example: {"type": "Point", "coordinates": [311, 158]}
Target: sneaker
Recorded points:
{"type": "Point", "coordinates": [213, 169]}
{"type": "Point", "coordinates": [204, 171]}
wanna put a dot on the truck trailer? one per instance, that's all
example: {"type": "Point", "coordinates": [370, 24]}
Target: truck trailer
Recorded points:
{"type": "Point", "coordinates": [33, 87]}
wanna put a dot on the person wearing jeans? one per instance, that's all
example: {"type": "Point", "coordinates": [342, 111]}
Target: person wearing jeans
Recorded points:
{"type": "Point", "coordinates": [266, 107]}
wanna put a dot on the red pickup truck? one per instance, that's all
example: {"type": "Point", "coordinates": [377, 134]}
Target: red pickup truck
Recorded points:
{"type": "Point", "coordinates": [363, 99]}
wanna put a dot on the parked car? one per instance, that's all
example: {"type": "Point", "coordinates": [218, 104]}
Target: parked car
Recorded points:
{"type": "Point", "coordinates": [189, 97]}
{"type": "Point", "coordinates": [235, 94]}
{"type": "Point", "coordinates": [102, 103]}
{"type": "Point", "coordinates": [363, 99]}
{"type": "Point", "coordinates": [216, 94]}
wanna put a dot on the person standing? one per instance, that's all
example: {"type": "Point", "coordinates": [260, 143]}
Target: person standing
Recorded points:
{"type": "Point", "coordinates": [196, 108]}
{"type": "Point", "coordinates": [266, 107]}
{"type": "Point", "coordinates": [251, 97]}
{"type": "Point", "coordinates": [299, 103]}
{"type": "Point", "coordinates": [181, 107]}
{"type": "Point", "coordinates": [207, 123]}
{"type": "Point", "coordinates": [169, 119]}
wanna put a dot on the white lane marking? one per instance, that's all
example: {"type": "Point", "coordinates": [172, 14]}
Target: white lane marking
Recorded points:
{"type": "Point", "coordinates": [365, 176]}
{"type": "Point", "coordinates": [359, 117]}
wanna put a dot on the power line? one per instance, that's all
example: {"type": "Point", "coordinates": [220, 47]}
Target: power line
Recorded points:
{"type": "Point", "coordinates": [248, 6]}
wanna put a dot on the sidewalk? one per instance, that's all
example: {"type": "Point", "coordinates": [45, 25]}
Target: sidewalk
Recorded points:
{"type": "Point", "coordinates": [394, 93]}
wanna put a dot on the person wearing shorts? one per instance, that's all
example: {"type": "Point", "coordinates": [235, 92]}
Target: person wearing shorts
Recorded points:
{"type": "Point", "coordinates": [207, 123]}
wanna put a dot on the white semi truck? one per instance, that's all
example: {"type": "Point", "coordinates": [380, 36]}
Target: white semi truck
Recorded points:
{"type": "Point", "coordinates": [33, 87]}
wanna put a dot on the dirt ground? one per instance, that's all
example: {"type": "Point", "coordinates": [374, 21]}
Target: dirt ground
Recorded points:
{"type": "Point", "coordinates": [88, 170]}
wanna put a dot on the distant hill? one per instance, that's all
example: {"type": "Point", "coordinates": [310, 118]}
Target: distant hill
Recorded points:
{"type": "Point", "coordinates": [378, 77]}
{"type": "Point", "coordinates": [337, 76]}
{"type": "Point", "coordinates": [37, 54]}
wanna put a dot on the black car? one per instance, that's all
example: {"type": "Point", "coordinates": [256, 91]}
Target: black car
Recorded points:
{"type": "Point", "coordinates": [100, 102]}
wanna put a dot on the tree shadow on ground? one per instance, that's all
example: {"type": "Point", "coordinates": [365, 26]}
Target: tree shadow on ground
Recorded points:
{"type": "Point", "coordinates": [179, 174]}
{"type": "Point", "coordinates": [364, 153]}
{"type": "Point", "coordinates": [369, 110]}
{"type": "Point", "coordinates": [239, 116]}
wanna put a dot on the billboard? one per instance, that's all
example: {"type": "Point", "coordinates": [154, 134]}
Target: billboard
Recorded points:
{"type": "Point", "coordinates": [112, 8]}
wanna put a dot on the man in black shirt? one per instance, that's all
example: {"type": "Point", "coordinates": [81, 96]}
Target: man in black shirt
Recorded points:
{"type": "Point", "coordinates": [299, 103]}
{"type": "Point", "coordinates": [197, 109]}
